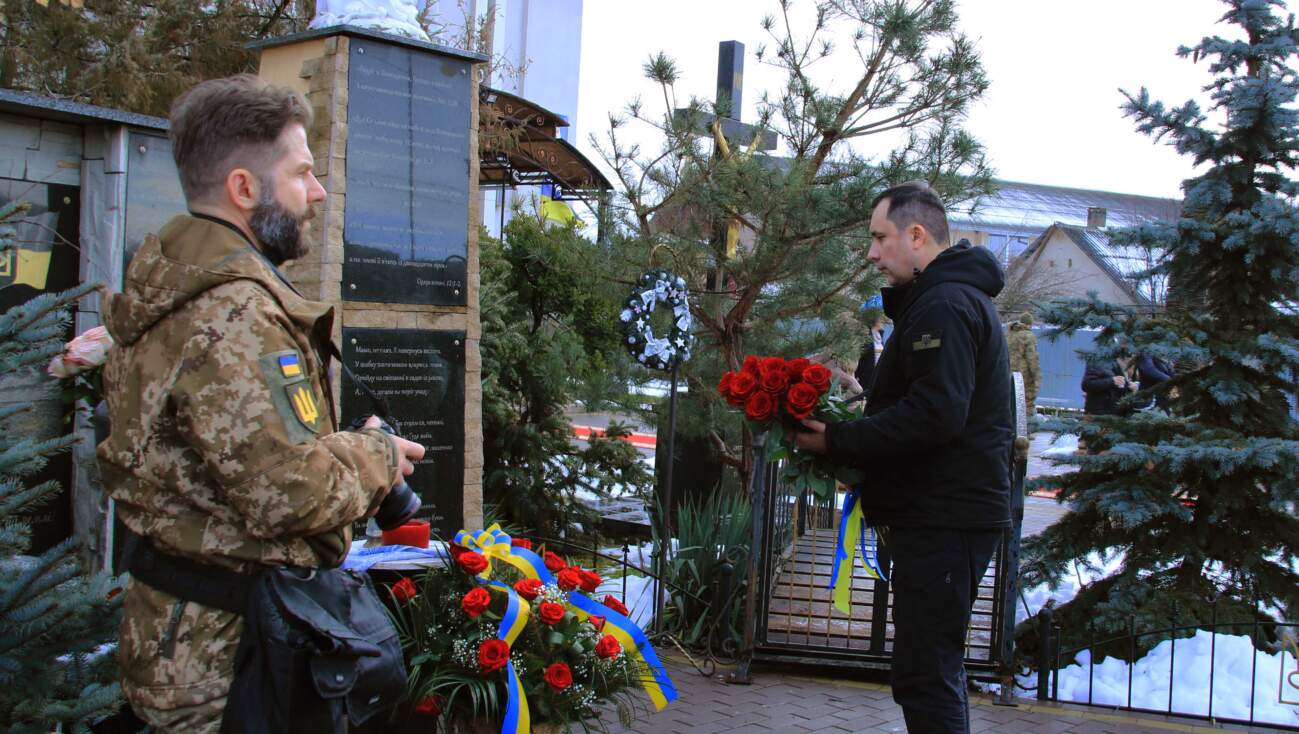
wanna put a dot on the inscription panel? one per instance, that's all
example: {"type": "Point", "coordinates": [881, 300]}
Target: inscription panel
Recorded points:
{"type": "Point", "coordinates": [421, 373]}
{"type": "Point", "coordinates": [405, 230]}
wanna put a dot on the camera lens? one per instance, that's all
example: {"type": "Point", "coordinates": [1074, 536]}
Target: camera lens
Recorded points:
{"type": "Point", "coordinates": [400, 505]}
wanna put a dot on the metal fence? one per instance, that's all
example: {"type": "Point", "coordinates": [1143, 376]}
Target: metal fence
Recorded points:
{"type": "Point", "coordinates": [1051, 657]}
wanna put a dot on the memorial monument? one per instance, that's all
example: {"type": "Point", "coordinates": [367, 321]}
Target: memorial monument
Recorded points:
{"type": "Point", "coordinates": [395, 247]}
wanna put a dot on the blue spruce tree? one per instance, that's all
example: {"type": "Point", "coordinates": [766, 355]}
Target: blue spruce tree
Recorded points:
{"type": "Point", "coordinates": [58, 624]}
{"type": "Point", "coordinates": [1201, 498]}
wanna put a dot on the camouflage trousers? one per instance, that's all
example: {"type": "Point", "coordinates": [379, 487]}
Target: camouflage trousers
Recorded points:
{"type": "Point", "coordinates": [177, 659]}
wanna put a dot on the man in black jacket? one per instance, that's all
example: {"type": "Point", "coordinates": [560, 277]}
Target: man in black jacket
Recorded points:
{"type": "Point", "coordinates": [935, 443]}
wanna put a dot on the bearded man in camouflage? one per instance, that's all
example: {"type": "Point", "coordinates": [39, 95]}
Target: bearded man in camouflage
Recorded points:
{"type": "Point", "coordinates": [225, 454]}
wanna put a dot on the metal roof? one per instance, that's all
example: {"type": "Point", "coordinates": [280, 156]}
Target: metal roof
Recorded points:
{"type": "Point", "coordinates": [1024, 208]}
{"type": "Point", "coordinates": [62, 110]}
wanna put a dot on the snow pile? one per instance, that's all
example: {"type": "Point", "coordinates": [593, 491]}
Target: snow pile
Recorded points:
{"type": "Point", "coordinates": [1234, 664]}
{"type": "Point", "coordinates": [391, 16]}
{"type": "Point", "coordinates": [1065, 444]}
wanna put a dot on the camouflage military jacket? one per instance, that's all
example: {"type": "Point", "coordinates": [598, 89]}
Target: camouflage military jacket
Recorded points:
{"type": "Point", "coordinates": [1022, 345]}
{"type": "Point", "coordinates": [224, 444]}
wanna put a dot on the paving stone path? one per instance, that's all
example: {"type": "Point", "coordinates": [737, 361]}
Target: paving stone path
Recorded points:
{"type": "Point", "coordinates": [794, 701]}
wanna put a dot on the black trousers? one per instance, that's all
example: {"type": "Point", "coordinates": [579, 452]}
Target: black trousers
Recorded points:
{"type": "Point", "coordinates": [935, 581]}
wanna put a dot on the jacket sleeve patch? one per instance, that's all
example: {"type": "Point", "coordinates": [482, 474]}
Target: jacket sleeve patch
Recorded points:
{"type": "Point", "coordinates": [928, 340]}
{"type": "Point", "coordinates": [292, 394]}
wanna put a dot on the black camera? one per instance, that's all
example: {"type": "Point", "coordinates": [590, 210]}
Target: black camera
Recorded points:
{"type": "Point", "coordinates": [402, 503]}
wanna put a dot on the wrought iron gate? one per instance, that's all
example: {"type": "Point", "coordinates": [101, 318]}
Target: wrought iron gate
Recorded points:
{"type": "Point", "coordinates": [794, 618]}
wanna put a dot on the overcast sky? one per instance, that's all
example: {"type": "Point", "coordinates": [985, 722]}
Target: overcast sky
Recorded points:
{"type": "Point", "coordinates": [1051, 115]}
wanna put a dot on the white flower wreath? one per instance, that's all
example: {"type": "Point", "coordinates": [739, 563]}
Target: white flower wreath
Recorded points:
{"type": "Point", "coordinates": [659, 352]}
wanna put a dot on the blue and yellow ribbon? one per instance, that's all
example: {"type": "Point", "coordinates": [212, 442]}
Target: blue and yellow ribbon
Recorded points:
{"type": "Point", "coordinates": [853, 527]}
{"type": "Point", "coordinates": [658, 686]}
{"type": "Point", "coordinates": [494, 543]}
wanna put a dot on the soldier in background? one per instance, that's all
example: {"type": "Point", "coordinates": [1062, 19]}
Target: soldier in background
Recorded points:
{"type": "Point", "coordinates": [1023, 357]}
{"type": "Point", "coordinates": [225, 455]}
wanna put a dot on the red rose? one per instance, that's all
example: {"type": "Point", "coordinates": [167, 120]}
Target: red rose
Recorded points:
{"type": "Point", "coordinates": [569, 579]}
{"type": "Point", "coordinates": [473, 563]}
{"type": "Point", "coordinates": [590, 581]}
{"type": "Point", "coordinates": [404, 590]}
{"type": "Point", "coordinates": [775, 381]}
{"type": "Point", "coordinates": [771, 364]}
{"type": "Point", "coordinates": [724, 384]}
{"type": "Point", "coordinates": [476, 601]}
{"type": "Point", "coordinates": [523, 543]}
{"type": "Point", "coordinates": [607, 647]}
{"type": "Point", "coordinates": [612, 602]}
{"type": "Point", "coordinates": [528, 588]}
{"type": "Point", "coordinates": [550, 612]}
{"type": "Point", "coordinates": [554, 563]}
{"type": "Point", "coordinates": [742, 386]}
{"type": "Point", "coordinates": [750, 365]}
{"type": "Point", "coordinates": [760, 407]}
{"type": "Point", "coordinates": [559, 676]}
{"type": "Point", "coordinates": [801, 400]}
{"type": "Point", "coordinates": [493, 655]}
{"type": "Point", "coordinates": [794, 368]}
{"type": "Point", "coordinates": [596, 621]}
{"type": "Point", "coordinates": [429, 706]}
{"type": "Point", "coordinates": [457, 551]}
{"type": "Point", "coordinates": [818, 376]}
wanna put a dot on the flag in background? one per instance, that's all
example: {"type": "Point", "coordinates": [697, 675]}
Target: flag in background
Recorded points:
{"type": "Point", "coordinates": [555, 210]}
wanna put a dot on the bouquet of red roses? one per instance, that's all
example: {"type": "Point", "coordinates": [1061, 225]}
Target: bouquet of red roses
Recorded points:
{"type": "Point", "coordinates": [776, 395]}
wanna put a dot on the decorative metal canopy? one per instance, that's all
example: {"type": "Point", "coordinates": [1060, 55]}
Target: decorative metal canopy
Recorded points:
{"type": "Point", "coordinates": [529, 152]}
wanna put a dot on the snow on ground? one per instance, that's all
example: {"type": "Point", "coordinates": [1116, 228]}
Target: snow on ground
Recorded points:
{"type": "Point", "coordinates": [1234, 664]}
{"type": "Point", "coordinates": [1063, 445]}
{"type": "Point", "coordinates": [1095, 567]}
{"type": "Point", "coordinates": [639, 596]}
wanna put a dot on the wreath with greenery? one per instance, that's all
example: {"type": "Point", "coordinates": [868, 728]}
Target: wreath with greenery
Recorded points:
{"type": "Point", "coordinates": [646, 347]}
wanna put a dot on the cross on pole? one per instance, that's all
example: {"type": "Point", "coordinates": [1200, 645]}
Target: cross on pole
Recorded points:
{"type": "Point", "coordinates": [730, 90]}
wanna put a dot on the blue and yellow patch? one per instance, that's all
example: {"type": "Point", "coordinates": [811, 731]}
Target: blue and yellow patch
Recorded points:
{"type": "Point", "coordinates": [290, 365]}
{"type": "Point", "coordinates": [293, 394]}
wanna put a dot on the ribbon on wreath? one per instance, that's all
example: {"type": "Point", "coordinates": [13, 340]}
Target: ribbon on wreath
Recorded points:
{"type": "Point", "coordinates": [518, 718]}
{"type": "Point", "coordinates": [495, 543]}
{"type": "Point", "coordinates": [854, 533]}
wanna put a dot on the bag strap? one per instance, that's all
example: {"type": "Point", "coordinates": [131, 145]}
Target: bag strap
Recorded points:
{"type": "Point", "coordinates": [202, 583]}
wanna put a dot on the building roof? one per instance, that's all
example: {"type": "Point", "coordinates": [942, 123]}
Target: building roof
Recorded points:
{"type": "Point", "coordinates": [1123, 263]}
{"type": "Point", "coordinates": [1024, 208]}
{"type": "Point", "coordinates": [62, 110]}
{"type": "Point", "coordinates": [534, 155]}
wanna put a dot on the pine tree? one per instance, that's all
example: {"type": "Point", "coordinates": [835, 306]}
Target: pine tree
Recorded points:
{"type": "Point", "coordinates": [794, 282]}
{"type": "Point", "coordinates": [57, 623]}
{"type": "Point", "coordinates": [550, 328]}
{"type": "Point", "coordinates": [1202, 500]}
{"type": "Point", "coordinates": [135, 55]}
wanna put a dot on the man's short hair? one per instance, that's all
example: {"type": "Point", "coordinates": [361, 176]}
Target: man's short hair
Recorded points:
{"type": "Point", "coordinates": [916, 203]}
{"type": "Point", "coordinates": [222, 124]}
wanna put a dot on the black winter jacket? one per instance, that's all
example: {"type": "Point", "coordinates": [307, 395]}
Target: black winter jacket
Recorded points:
{"type": "Point", "coordinates": [1101, 395]}
{"type": "Point", "coordinates": [936, 440]}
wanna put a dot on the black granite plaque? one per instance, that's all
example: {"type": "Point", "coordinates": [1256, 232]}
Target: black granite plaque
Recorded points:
{"type": "Point", "coordinates": [422, 376]}
{"type": "Point", "coordinates": [406, 216]}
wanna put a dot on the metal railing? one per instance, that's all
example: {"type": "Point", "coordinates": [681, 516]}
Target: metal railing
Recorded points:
{"type": "Point", "coordinates": [1050, 658]}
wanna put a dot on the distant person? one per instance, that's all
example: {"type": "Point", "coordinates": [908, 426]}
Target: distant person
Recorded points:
{"type": "Point", "coordinates": [1023, 357]}
{"type": "Point", "coordinates": [873, 345]}
{"type": "Point", "coordinates": [1152, 372]}
{"type": "Point", "coordinates": [1105, 384]}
